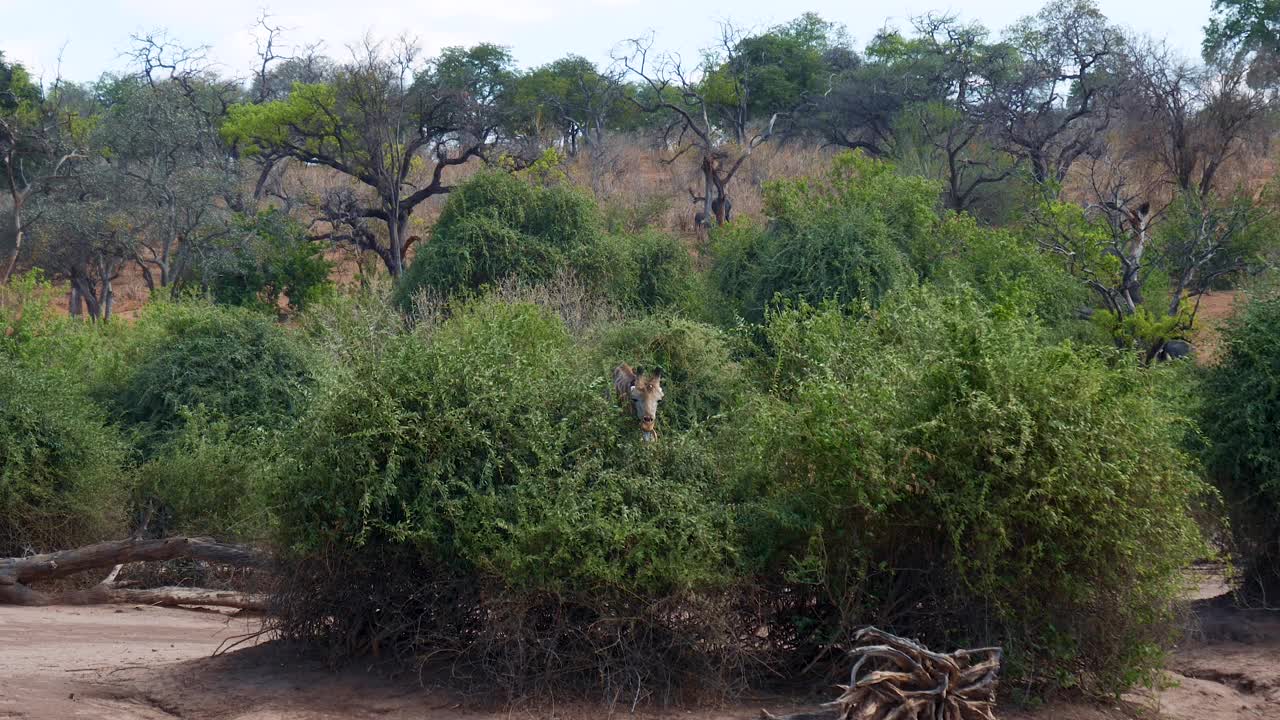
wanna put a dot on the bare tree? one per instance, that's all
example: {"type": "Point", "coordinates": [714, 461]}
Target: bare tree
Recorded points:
{"type": "Point", "coordinates": [165, 155]}
{"type": "Point", "coordinates": [958, 59]}
{"type": "Point", "coordinates": [88, 237]}
{"type": "Point", "coordinates": [674, 91]}
{"type": "Point", "coordinates": [1049, 101]}
{"type": "Point", "coordinates": [1194, 118]}
{"type": "Point", "coordinates": [41, 143]}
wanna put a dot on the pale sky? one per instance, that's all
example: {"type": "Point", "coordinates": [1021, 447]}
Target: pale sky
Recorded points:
{"type": "Point", "coordinates": [92, 34]}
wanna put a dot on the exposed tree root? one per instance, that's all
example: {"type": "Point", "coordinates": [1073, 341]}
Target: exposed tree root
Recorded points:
{"type": "Point", "coordinates": [896, 679]}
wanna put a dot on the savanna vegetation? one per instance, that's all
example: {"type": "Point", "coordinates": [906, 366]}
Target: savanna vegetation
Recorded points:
{"type": "Point", "coordinates": [911, 302]}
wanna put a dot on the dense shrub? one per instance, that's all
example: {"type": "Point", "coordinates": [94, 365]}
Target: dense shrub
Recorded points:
{"type": "Point", "coordinates": [853, 233]}
{"type": "Point", "coordinates": [62, 476]}
{"type": "Point", "coordinates": [704, 382]}
{"type": "Point", "coordinates": [1002, 265]}
{"type": "Point", "coordinates": [266, 257]}
{"type": "Point", "coordinates": [208, 479]}
{"type": "Point", "coordinates": [649, 271]}
{"type": "Point", "coordinates": [1242, 423]}
{"type": "Point", "coordinates": [497, 225]}
{"type": "Point", "coordinates": [629, 215]}
{"type": "Point", "coordinates": [233, 364]}
{"type": "Point", "coordinates": [937, 468]}
{"type": "Point", "coordinates": [31, 330]}
{"type": "Point", "coordinates": [481, 460]}
{"type": "Point", "coordinates": [63, 479]}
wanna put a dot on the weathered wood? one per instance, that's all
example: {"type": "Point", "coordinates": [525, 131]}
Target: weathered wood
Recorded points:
{"type": "Point", "coordinates": [159, 597]}
{"type": "Point", "coordinates": [116, 552]}
{"type": "Point", "coordinates": [829, 714]}
{"type": "Point", "coordinates": [16, 574]}
{"type": "Point", "coordinates": [174, 596]}
{"type": "Point", "coordinates": [912, 683]}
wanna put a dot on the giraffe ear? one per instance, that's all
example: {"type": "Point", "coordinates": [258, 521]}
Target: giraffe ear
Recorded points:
{"type": "Point", "coordinates": [623, 377]}
{"type": "Point", "coordinates": [657, 372]}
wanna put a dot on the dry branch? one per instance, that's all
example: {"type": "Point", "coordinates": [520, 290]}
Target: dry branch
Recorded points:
{"type": "Point", "coordinates": [16, 574]}
{"type": "Point", "coordinates": [897, 679]}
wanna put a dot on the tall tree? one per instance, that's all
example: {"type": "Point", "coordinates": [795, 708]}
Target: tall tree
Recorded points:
{"type": "Point", "coordinates": [1192, 118]}
{"type": "Point", "coordinates": [1250, 31]}
{"type": "Point", "coordinates": [578, 99]}
{"type": "Point", "coordinates": [1054, 97]}
{"type": "Point", "coordinates": [382, 116]}
{"type": "Point", "coordinates": [950, 127]}
{"type": "Point", "coordinates": [750, 77]}
{"type": "Point", "coordinates": [726, 105]}
{"type": "Point", "coordinates": [158, 149]}
{"type": "Point", "coordinates": [88, 234]}
{"type": "Point", "coordinates": [41, 139]}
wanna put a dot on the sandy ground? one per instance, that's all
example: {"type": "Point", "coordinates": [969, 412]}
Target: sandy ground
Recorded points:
{"type": "Point", "coordinates": [144, 663]}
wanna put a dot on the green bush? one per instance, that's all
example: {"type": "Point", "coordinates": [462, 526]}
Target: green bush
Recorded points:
{"type": "Point", "coordinates": [938, 468]}
{"type": "Point", "coordinates": [232, 364]}
{"type": "Point", "coordinates": [1002, 266]}
{"type": "Point", "coordinates": [1241, 420]}
{"type": "Point", "coordinates": [31, 330]}
{"type": "Point", "coordinates": [484, 453]}
{"type": "Point", "coordinates": [209, 479]}
{"type": "Point", "coordinates": [648, 271]}
{"type": "Point", "coordinates": [62, 476]}
{"type": "Point", "coordinates": [497, 225]}
{"type": "Point", "coordinates": [703, 382]}
{"type": "Point", "coordinates": [853, 233]}
{"type": "Point", "coordinates": [268, 256]}
{"type": "Point", "coordinates": [428, 442]}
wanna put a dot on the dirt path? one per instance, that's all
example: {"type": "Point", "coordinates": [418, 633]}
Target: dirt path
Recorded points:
{"type": "Point", "coordinates": [134, 663]}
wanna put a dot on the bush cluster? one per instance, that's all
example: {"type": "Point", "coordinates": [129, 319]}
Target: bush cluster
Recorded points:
{"type": "Point", "coordinates": [204, 391]}
{"type": "Point", "coordinates": [939, 467]}
{"type": "Point", "coordinates": [485, 458]}
{"type": "Point", "coordinates": [854, 233]}
{"type": "Point", "coordinates": [898, 430]}
{"type": "Point", "coordinates": [62, 465]}
{"type": "Point", "coordinates": [229, 363]}
{"type": "Point", "coordinates": [267, 257]}
{"type": "Point", "coordinates": [498, 225]}
{"type": "Point", "coordinates": [1241, 420]}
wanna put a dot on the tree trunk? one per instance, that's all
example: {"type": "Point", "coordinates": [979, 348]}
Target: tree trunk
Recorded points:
{"type": "Point", "coordinates": [709, 187]}
{"type": "Point", "coordinates": [19, 198]}
{"type": "Point", "coordinates": [394, 256]}
{"type": "Point", "coordinates": [1039, 168]}
{"type": "Point", "coordinates": [146, 275]}
{"type": "Point", "coordinates": [106, 300]}
{"type": "Point", "coordinates": [162, 265]}
{"type": "Point", "coordinates": [87, 294]}
{"type": "Point", "coordinates": [1175, 300]}
{"type": "Point", "coordinates": [75, 306]}
{"type": "Point", "coordinates": [16, 574]}
{"type": "Point", "coordinates": [106, 594]}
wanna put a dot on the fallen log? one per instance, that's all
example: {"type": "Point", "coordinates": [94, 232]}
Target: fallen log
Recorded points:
{"type": "Point", "coordinates": [174, 596]}
{"type": "Point", "coordinates": [903, 680]}
{"type": "Point", "coordinates": [16, 574]}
